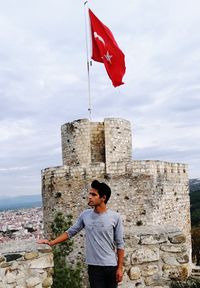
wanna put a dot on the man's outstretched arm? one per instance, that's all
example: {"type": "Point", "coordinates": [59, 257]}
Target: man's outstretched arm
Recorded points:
{"type": "Point", "coordinates": [73, 230]}
{"type": "Point", "coordinates": [57, 240]}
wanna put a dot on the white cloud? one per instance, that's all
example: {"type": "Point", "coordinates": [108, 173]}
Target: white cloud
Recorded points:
{"type": "Point", "coordinates": [10, 129]}
{"type": "Point", "coordinates": [9, 169]}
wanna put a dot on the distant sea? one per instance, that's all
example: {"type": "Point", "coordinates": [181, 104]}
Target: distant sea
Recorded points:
{"type": "Point", "coordinates": [20, 202]}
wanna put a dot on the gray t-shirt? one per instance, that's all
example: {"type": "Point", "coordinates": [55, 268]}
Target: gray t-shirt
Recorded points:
{"type": "Point", "coordinates": [104, 234]}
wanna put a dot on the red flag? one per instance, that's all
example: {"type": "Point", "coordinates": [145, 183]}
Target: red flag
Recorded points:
{"type": "Point", "coordinates": [106, 50]}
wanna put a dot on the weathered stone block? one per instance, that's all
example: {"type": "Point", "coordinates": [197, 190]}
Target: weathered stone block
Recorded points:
{"type": "Point", "coordinates": [149, 270]}
{"type": "Point", "coordinates": [134, 273]}
{"type": "Point", "coordinates": [173, 248]}
{"type": "Point", "coordinates": [42, 262]}
{"type": "Point", "coordinates": [31, 255]}
{"type": "Point", "coordinates": [10, 278]}
{"type": "Point", "coordinates": [131, 240]}
{"type": "Point", "coordinates": [153, 280]}
{"type": "Point", "coordinates": [183, 259]}
{"type": "Point", "coordinates": [33, 281]}
{"type": "Point", "coordinates": [45, 250]}
{"type": "Point", "coordinates": [149, 281]}
{"type": "Point", "coordinates": [175, 272]}
{"type": "Point", "coordinates": [144, 255]}
{"type": "Point", "coordinates": [127, 283]}
{"type": "Point", "coordinates": [152, 239]}
{"type": "Point", "coordinates": [127, 258]}
{"type": "Point", "coordinates": [177, 239]}
{"type": "Point", "coordinates": [5, 265]}
{"type": "Point", "coordinates": [47, 282]}
{"type": "Point", "coordinates": [168, 259]}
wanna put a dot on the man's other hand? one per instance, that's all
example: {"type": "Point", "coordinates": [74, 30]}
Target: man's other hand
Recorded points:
{"type": "Point", "coordinates": [119, 275]}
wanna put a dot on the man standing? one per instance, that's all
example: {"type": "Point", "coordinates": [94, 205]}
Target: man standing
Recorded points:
{"type": "Point", "coordinates": [104, 238]}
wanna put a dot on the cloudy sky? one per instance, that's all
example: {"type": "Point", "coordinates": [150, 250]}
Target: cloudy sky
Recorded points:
{"type": "Point", "coordinates": [43, 82]}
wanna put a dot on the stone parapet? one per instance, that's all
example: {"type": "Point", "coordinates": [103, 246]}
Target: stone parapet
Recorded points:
{"type": "Point", "coordinates": [154, 257]}
{"type": "Point", "coordinates": [24, 264]}
{"type": "Point", "coordinates": [156, 167]}
{"type": "Point", "coordinates": [133, 167]}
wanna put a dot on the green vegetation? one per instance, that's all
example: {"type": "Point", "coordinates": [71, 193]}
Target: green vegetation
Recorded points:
{"type": "Point", "coordinates": [195, 221]}
{"type": "Point", "coordinates": [190, 283]}
{"type": "Point", "coordinates": [65, 275]}
{"type": "Point", "coordinates": [195, 207]}
{"type": "Point", "coordinates": [196, 245]}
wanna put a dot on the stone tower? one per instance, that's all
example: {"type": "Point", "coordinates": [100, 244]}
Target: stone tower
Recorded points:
{"type": "Point", "coordinates": [151, 196]}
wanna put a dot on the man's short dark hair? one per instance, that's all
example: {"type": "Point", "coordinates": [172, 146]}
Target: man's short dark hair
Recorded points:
{"type": "Point", "coordinates": [102, 188]}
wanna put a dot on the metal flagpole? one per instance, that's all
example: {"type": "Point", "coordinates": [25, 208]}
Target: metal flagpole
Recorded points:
{"type": "Point", "coordinates": [88, 60]}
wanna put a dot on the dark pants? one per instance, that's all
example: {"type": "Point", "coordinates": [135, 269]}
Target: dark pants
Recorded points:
{"type": "Point", "coordinates": [102, 276]}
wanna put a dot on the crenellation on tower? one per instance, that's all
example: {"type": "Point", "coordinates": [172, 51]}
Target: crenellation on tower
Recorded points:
{"type": "Point", "coordinates": [76, 144]}
{"type": "Point", "coordinates": [97, 140]}
{"type": "Point", "coordinates": [118, 142]}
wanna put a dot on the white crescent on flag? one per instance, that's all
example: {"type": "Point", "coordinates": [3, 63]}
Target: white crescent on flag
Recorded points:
{"type": "Point", "coordinates": [99, 37]}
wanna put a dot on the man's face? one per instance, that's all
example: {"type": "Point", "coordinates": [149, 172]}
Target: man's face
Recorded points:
{"type": "Point", "coordinates": [94, 198]}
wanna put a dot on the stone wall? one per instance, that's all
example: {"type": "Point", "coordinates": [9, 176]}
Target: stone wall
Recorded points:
{"type": "Point", "coordinates": [24, 264]}
{"type": "Point", "coordinates": [146, 193]}
{"type": "Point", "coordinates": [154, 257]}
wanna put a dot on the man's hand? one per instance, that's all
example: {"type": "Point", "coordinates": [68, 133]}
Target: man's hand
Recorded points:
{"type": "Point", "coordinates": [119, 275]}
{"type": "Point", "coordinates": [44, 241]}
{"type": "Point", "coordinates": [59, 239]}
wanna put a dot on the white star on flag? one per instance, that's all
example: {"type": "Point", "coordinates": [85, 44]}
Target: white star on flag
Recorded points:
{"type": "Point", "coordinates": [108, 57]}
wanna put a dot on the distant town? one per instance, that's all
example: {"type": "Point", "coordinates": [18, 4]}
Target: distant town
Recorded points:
{"type": "Point", "coordinates": [19, 202]}
{"type": "Point", "coordinates": [22, 217]}
{"type": "Point", "coordinates": [26, 223]}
